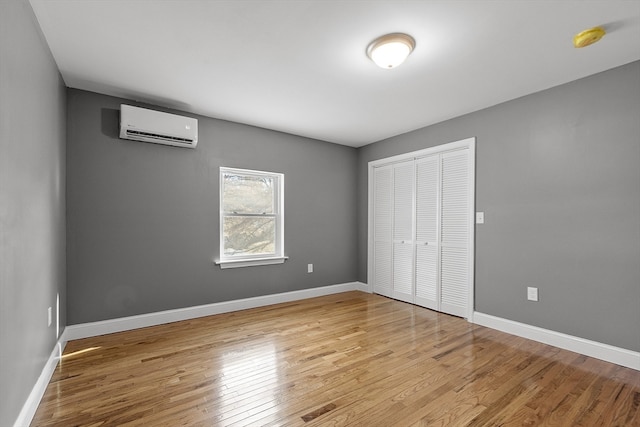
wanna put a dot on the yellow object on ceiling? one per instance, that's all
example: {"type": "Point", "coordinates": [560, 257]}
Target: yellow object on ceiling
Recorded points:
{"type": "Point", "coordinates": [588, 37]}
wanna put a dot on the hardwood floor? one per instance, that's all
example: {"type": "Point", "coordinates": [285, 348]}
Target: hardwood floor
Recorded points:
{"type": "Point", "coordinates": [347, 359]}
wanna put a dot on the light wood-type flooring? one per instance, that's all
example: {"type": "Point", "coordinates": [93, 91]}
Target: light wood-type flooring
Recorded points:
{"type": "Point", "coordinates": [350, 359]}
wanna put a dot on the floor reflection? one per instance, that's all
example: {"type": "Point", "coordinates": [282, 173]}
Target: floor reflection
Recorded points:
{"type": "Point", "coordinates": [248, 377]}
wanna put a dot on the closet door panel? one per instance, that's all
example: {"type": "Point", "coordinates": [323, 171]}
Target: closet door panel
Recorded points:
{"type": "Point", "coordinates": [427, 225]}
{"type": "Point", "coordinates": [454, 262]}
{"type": "Point", "coordinates": [383, 230]}
{"type": "Point", "coordinates": [403, 208]}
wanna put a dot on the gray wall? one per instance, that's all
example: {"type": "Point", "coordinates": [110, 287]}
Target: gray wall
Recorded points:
{"type": "Point", "coordinates": [143, 218]}
{"type": "Point", "coordinates": [558, 177]}
{"type": "Point", "coordinates": [32, 221]}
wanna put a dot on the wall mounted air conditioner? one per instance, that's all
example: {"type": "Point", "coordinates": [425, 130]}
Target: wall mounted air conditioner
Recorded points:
{"type": "Point", "coordinates": [141, 124]}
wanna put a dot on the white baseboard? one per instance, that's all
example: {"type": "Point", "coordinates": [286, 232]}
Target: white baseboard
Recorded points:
{"type": "Point", "coordinates": [31, 405]}
{"type": "Point", "coordinates": [93, 329]}
{"type": "Point", "coordinates": [606, 352]}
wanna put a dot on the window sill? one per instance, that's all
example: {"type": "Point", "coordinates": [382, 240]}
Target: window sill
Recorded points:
{"type": "Point", "coordinates": [236, 263]}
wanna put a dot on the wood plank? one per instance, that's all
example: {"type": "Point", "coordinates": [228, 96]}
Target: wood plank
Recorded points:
{"type": "Point", "coordinates": [351, 359]}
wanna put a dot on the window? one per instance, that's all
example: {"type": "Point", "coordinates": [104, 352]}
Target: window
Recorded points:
{"type": "Point", "coordinates": [251, 218]}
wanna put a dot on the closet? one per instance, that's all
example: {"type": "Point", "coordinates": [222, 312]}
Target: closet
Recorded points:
{"type": "Point", "coordinates": [421, 209]}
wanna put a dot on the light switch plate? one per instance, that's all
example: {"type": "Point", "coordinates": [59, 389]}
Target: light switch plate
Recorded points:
{"type": "Point", "coordinates": [532, 294]}
{"type": "Point", "coordinates": [479, 217]}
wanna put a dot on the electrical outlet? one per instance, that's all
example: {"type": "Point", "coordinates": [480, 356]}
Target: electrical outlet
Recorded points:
{"type": "Point", "coordinates": [49, 316]}
{"type": "Point", "coordinates": [479, 217]}
{"type": "Point", "coordinates": [309, 268]}
{"type": "Point", "coordinates": [532, 294]}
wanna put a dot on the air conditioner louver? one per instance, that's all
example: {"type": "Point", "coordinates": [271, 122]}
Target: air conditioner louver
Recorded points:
{"type": "Point", "coordinates": [138, 134]}
{"type": "Point", "coordinates": [141, 124]}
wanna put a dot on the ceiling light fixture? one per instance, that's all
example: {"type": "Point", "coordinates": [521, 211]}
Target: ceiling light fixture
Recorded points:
{"type": "Point", "coordinates": [390, 50]}
{"type": "Point", "coordinates": [588, 37]}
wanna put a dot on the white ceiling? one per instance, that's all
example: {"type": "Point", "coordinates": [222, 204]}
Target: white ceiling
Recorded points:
{"type": "Point", "coordinates": [300, 66]}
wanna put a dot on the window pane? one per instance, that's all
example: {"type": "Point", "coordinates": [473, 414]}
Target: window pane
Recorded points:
{"type": "Point", "coordinates": [249, 235]}
{"type": "Point", "coordinates": [248, 194]}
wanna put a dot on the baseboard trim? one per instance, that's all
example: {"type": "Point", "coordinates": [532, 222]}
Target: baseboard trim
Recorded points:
{"type": "Point", "coordinates": [121, 324]}
{"type": "Point", "coordinates": [31, 405]}
{"type": "Point", "coordinates": [606, 352]}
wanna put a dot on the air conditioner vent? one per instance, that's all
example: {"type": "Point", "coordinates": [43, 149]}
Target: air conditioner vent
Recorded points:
{"type": "Point", "coordinates": [158, 136]}
{"type": "Point", "coordinates": [141, 124]}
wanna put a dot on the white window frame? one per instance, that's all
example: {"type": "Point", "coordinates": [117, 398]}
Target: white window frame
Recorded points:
{"type": "Point", "coordinates": [253, 260]}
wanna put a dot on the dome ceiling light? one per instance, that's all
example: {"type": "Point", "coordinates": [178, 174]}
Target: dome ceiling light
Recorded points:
{"type": "Point", "coordinates": [390, 50]}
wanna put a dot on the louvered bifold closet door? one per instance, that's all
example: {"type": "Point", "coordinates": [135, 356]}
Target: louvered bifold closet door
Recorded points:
{"type": "Point", "coordinates": [427, 236]}
{"type": "Point", "coordinates": [383, 230]}
{"type": "Point", "coordinates": [403, 208]}
{"type": "Point", "coordinates": [454, 245]}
